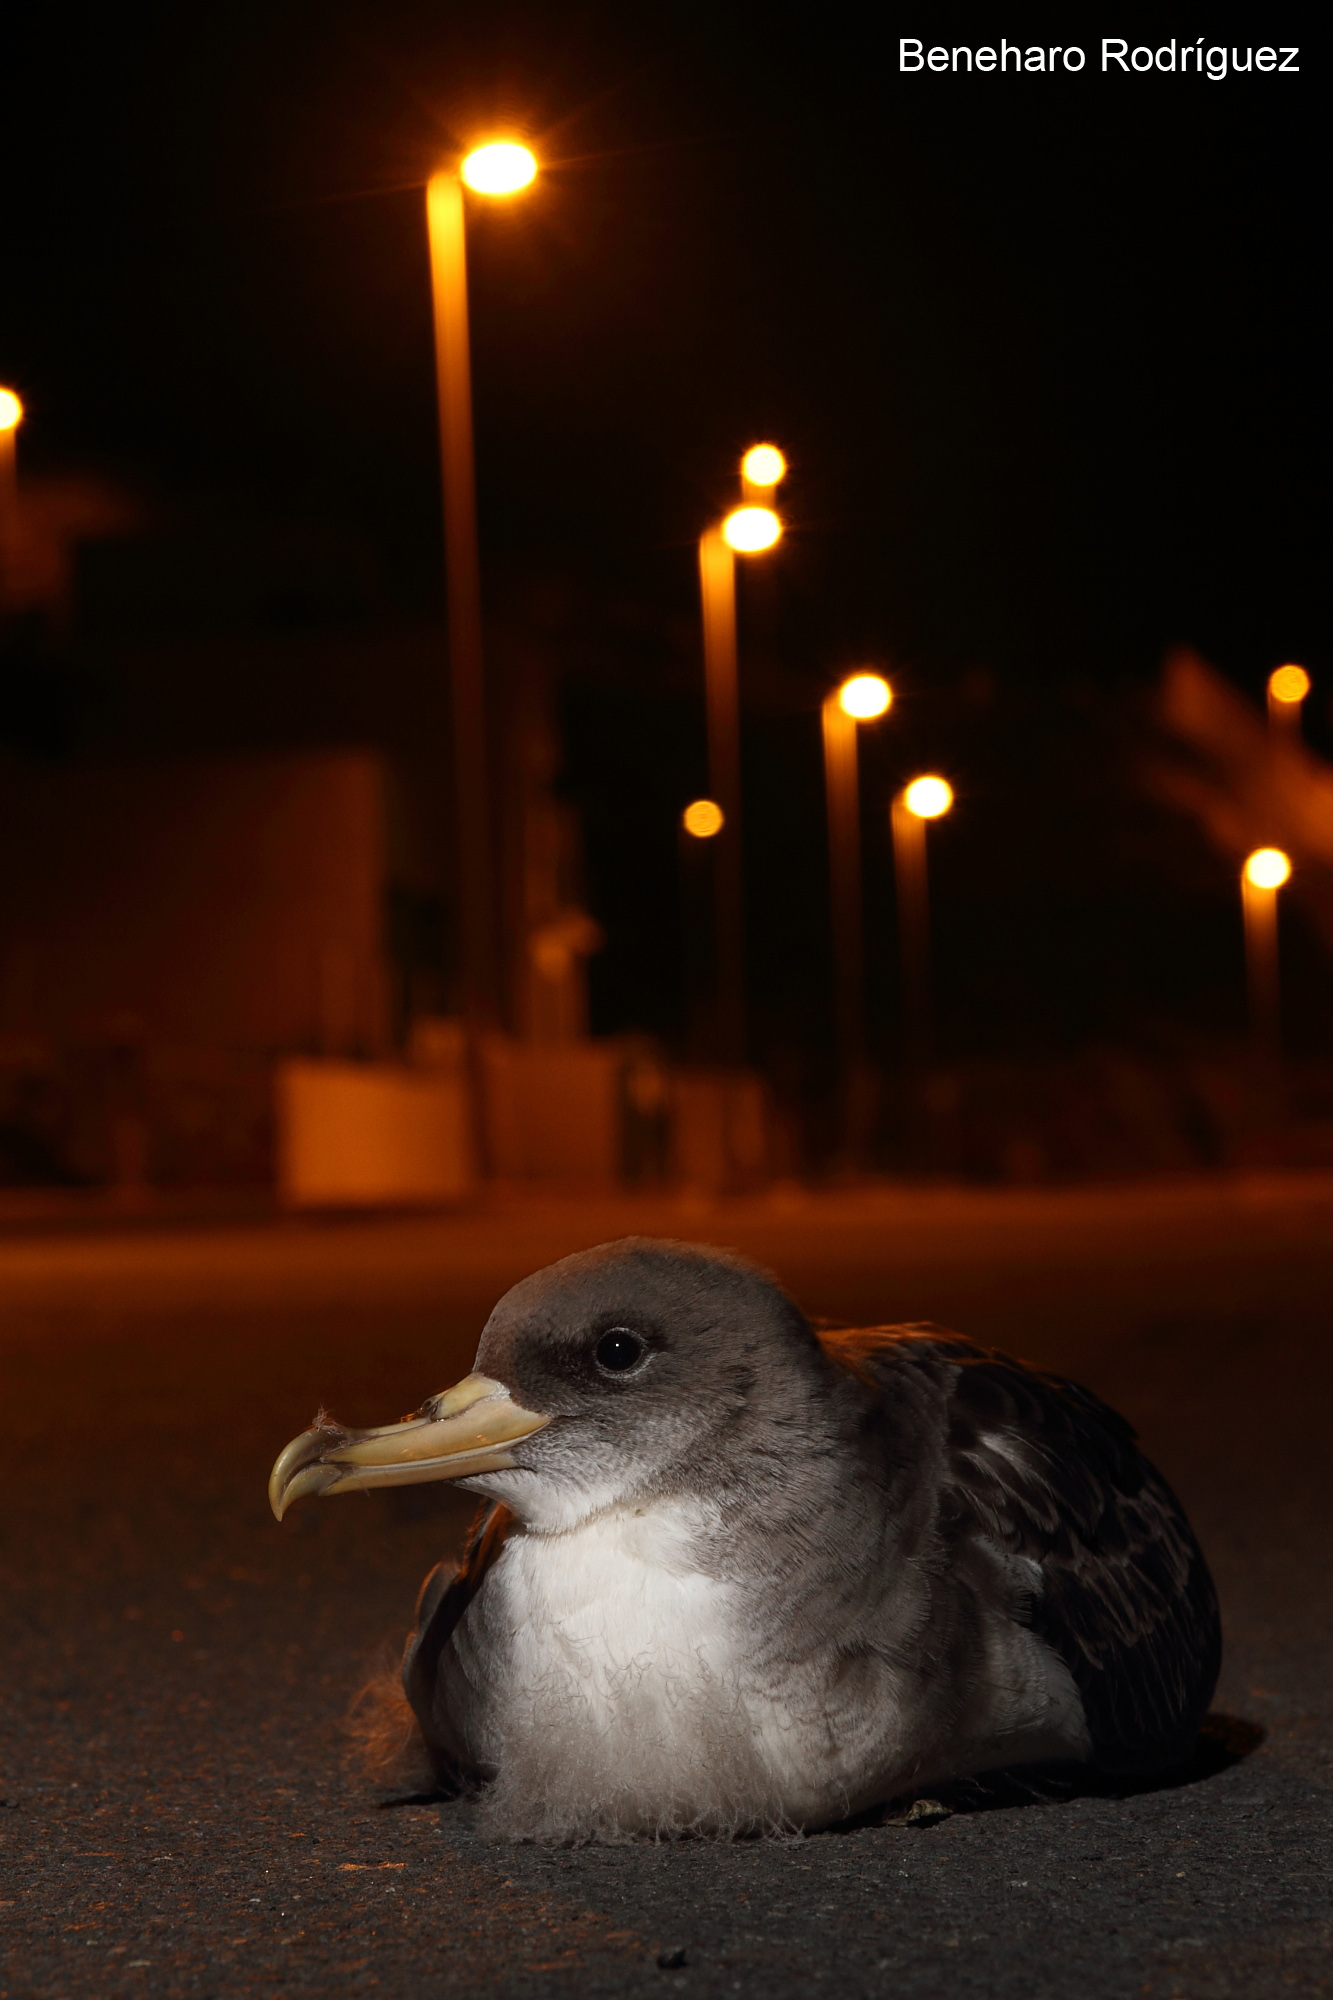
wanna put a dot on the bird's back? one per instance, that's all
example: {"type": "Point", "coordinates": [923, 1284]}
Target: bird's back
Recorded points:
{"type": "Point", "coordinates": [1036, 1468]}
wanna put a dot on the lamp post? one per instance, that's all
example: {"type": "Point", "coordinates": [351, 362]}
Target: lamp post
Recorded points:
{"type": "Point", "coordinates": [700, 824]}
{"type": "Point", "coordinates": [747, 530]}
{"type": "Point", "coordinates": [498, 169]}
{"type": "Point", "coordinates": [861, 698]}
{"type": "Point", "coordinates": [11, 416]}
{"type": "Point", "coordinates": [1287, 689]}
{"type": "Point", "coordinates": [924, 799]}
{"type": "Point", "coordinates": [1263, 875]}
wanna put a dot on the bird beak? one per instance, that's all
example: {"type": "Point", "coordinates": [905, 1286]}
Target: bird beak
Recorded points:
{"type": "Point", "coordinates": [467, 1429]}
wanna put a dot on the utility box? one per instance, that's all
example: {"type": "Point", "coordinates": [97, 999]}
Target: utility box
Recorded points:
{"type": "Point", "coordinates": [371, 1135]}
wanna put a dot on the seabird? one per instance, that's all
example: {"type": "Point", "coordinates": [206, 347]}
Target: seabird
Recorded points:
{"type": "Point", "coordinates": [737, 1575]}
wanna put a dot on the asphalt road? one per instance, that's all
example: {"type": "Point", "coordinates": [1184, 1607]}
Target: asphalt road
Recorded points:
{"type": "Point", "coordinates": [180, 1816]}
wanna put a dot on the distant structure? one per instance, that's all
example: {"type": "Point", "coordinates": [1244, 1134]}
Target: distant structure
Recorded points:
{"type": "Point", "coordinates": [229, 896]}
{"type": "Point", "coordinates": [166, 930]}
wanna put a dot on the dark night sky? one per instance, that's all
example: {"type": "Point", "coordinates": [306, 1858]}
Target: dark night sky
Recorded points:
{"type": "Point", "coordinates": [1041, 348]}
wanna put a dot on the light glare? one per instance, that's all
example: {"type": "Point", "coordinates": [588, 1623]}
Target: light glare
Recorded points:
{"type": "Point", "coordinates": [1267, 868]}
{"type": "Point", "coordinates": [865, 696]}
{"type": "Point", "coordinates": [11, 410]}
{"type": "Point", "coordinates": [750, 529]}
{"type": "Point", "coordinates": [500, 168]}
{"type": "Point", "coordinates": [703, 818]}
{"type": "Point", "coordinates": [928, 797]}
{"type": "Point", "coordinates": [763, 465]}
{"type": "Point", "coordinates": [1290, 684]}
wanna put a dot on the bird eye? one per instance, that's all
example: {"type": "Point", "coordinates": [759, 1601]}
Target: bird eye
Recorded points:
{"type": "Point", "coordinates": [618, 1350]}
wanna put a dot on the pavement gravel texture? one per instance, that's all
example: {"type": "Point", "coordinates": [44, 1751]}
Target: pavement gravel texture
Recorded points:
{"type": "Point", "coordinates": [180, 1816]}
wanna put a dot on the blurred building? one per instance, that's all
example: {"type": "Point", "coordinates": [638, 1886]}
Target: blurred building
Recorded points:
{"type": "Point", "coordinates": [166, 930]}
{"type": "Point", "coordinates": [226, 952]}
{"type": "Point", "coordinates": [227, 889]}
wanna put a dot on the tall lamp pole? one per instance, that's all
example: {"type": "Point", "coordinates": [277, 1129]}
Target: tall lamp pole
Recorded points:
{"type": "Point", "coordinates": [1264, 873]}
{"type": "Point", "coordinates": [924, 799]}
{"type": "Point", "coordinates": [700, 824]}
{"type": "Point", "coordinates": [747, 530]}
{"type": "Point", "coordinates": [11, 416]}
{"type": "Point", "coordinates": [861, 698]}
{"type": "Point", "coordinates": [1287, 689]}
{"type": "Point", "coordinates": [717, 592]}
{"type": "Point", "coordinates": [501, 168]}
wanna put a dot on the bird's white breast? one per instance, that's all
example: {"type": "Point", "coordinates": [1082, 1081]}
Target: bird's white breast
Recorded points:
{"type": "Point", "coordinates": [615, 1686]}
{"type": "Point", "coordinates": [617, 1603]}
{"type": "Point", "coordinates": [613, 1674]}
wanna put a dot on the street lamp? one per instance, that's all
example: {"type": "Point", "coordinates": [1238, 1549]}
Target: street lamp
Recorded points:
{"type": "Point", "coordinates": [746, 530]}
{"type": "Point", "coordinates": [750, 530]}
{"type": "Point", "coordinates": [500, 168]}
{"type": "Point", "coordinates": [762, 468]}
{"type": "Point", "coordinates": [862, 697]}
{"type": "Point", "coordinates": [11, 416]}
{"type": "Point", "coordinates": [696, 839]}
{"type": "Point", "coordinates": [926, 798]}
{"type": "Point", "coordinates": [702, 819]}
{"type": "Point", "coordinates": [865, 696]}
{"type": "Point", "coordinates": [1264, 873]}
{"type": "Point", "coordinates": [1287, 689]}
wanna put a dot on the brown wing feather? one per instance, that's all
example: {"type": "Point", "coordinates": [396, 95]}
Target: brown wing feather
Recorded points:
{"type": "Point", "coordinates": [441, 1602]}
{"type": "Point", "coordinates": [1042, 1467]}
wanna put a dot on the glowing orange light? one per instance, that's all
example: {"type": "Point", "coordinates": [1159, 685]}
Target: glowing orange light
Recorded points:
{"type": "Point", "coordinates": [1267, 868]}
{"type": "Point", "coordinates": [503, 167]}
{"type": "Point", "coordinates": [1289, 684]}
{"type": "Point", "coordinates": [865, 696]}
{"type": "Point", "coordinates": [763, 465]}
{"type": "Point", "coordinates": [11, 410]}
{"type": "Point", "coordinates": [928, 797]}
{"type": "Point", "coordinates": [750, 529]}
{"type": "Point", "coordinates": [703, 818]}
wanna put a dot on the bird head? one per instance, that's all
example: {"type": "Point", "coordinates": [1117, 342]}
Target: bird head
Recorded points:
{"type": "Point", "coordinates": [622, 1374]}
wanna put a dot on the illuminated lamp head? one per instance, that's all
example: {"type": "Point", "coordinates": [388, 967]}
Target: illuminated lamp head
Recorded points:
{"type": "Point", "coordinates": [502, 167]}
{"type": "Point", "coordinates": [928, 797]}
{"type": "Point", "coordinates": [1267, 868]}
{"type": "Point", "coordinates": [763, 465]}
{"type": "Point", "coordinates": [750, 530]}
{"type": "Point", "coordinates": [703, 818]}
{"type": "Point", "coordinates": [1289, 684]}
{"type": "Point", "coordinates": [864, 696]}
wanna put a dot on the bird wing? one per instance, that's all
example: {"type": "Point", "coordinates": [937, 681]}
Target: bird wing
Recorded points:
{"type": "Point", "coordinates": [1042, 1468]}
{"type": "Point", "coordinates": [444, 1597]}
